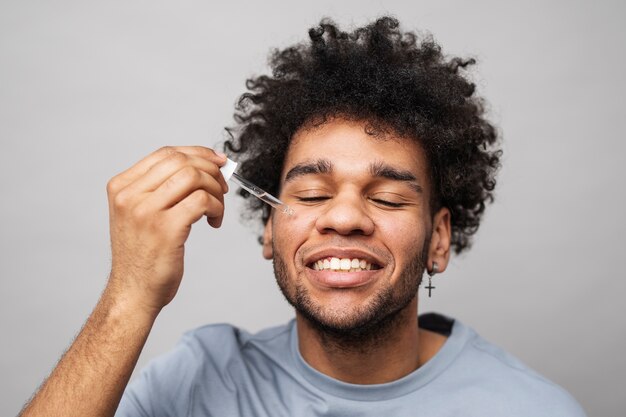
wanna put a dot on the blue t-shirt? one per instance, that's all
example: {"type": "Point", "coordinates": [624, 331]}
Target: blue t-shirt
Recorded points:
{"type": "Point", "coordinates": [219, 370]}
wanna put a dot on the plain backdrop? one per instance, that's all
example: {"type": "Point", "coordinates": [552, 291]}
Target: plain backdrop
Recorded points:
{"type": "Point", "coordinates": [89, 88]}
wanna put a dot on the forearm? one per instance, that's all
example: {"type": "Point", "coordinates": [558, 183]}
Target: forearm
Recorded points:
{"type": "Point", "coordinates": [90, 378]}
{"type": "Point", "coordinates": [152, 206]}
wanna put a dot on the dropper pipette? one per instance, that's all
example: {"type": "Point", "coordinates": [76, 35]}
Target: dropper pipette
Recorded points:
{"type": "Point", "coordinates": [228, 171]}
{"type": "Point", "coordinates": [260, 194]}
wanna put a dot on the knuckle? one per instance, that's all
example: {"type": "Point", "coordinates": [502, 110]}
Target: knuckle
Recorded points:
{"type": "Point", "coordinates": [201, 198]}
{"type": "Point", "coordinates": [190, 174]}
{"type": "Point", "coordinates": [202, 150]}
{"type": "Point", "coordinates": [121, 199]}
{"type": "Point", "coordinates": [177, 158]}
{"type": "Point", "coordinates": [113, 186]}
{"type": "Point", "coordinates": [186, 176]}
{"type": "Point", "coordinates": [167, 150]}
{"type": "Point", "coordinates": [214, 170]}
{"type": "Point", "coordinates": [140, 212]}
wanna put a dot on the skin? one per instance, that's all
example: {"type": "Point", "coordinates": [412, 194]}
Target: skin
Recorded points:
{"type": "Point", "coordinates": [152, 207]}
{"type": "Point", "coordinates": [346, 211]}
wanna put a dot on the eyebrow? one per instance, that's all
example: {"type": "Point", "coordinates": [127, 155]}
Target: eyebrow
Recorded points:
{"type": "Point", "coordinates": [383, 170]}
{"type": "Point", "coordinates": [376, 169]}
{"type": "Point", "coordinates": [321, 166]}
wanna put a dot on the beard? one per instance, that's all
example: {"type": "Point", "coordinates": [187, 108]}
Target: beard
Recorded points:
{"type": "Point", "coordinates": [362, 327]}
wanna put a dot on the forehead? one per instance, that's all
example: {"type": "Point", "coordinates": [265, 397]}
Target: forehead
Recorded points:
{"type": "Point", "coordinates": [348, 145]}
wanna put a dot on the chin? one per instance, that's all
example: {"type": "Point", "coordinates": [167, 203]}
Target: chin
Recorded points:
{"type": "Point", "coordinates": [351, 313]}
{"type": "Point", "coordinates": [345, 320]}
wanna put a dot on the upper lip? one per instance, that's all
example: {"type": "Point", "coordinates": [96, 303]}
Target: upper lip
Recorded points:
{"type": "Point", "coordinates": [343, 253]}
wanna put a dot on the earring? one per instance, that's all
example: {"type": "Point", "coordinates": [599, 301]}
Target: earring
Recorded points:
{"type": "Point", "coordinates": [431, 274]}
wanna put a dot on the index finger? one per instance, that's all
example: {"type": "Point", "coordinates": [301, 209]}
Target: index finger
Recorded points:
{"type": "Point", "coordinates": [141, 167]}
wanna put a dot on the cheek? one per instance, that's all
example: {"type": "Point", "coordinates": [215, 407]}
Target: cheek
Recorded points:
{"type": "Point", "coordinates": [402, 235]}
{"type": "Point", "coordinates": [290, 230]}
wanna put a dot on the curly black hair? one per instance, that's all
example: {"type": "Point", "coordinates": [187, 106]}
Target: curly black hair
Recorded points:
{"type": "Point", "coordinates": [385, 77]}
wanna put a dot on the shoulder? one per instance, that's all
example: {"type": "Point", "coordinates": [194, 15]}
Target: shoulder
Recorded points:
{"type": "Point", "coordinates": [213, 356]}
{"type": "Point", "coordinates": [500, 376]}
{"type": "Point", "coordinates": [225, 339]}
{"type": "Point", "coordinates": [207, 346]}
{"type": "Point", "coordinates": [218, 348]}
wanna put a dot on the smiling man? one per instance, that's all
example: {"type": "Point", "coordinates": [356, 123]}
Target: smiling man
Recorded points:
{"type": "Point", "coordinates": [381, 148]}
{"type": "Point", "coordinates": [345, 261]}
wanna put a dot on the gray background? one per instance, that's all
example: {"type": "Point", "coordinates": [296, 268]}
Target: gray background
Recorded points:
{"type": "Point", "coordinates": [89, 88]}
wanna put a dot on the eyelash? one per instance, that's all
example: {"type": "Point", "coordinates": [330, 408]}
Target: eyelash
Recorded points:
{"type": "Point", "coordinates": [312, 199]}
{"type": "Point", "coordinates": [375, 200]}
{"type": "Point", "coordinates": [387, 203]}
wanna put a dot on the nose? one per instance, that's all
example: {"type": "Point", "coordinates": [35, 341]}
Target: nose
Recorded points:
{"type": "Point", "coordinates": [345, 214]}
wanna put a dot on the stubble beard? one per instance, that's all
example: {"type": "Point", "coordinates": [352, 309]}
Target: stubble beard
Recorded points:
{"type": "Point", "coordinates": [366, 326]}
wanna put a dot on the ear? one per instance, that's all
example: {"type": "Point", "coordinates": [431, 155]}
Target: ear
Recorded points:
{"type": "Point", "coordinates": [268, 251]}
{"type": "Point", "coordinates": [439, 250]}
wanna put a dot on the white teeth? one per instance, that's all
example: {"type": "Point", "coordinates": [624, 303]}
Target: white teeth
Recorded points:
{"type": "Point", "coordinates": [342, 264]}
{"type": "Point", "coordinates": [345, 264]}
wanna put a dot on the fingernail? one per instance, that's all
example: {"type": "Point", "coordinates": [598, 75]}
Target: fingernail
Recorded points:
{"type": "Point", "coordinates": [220, 154]}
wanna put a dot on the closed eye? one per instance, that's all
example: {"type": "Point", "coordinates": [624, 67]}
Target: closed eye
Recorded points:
{"type": "Point", "coordinates": [387, 203]}
{"type": "Point", "coordinates": [318, 199]}
{"type": "Point", "coordinates": [312, 199]}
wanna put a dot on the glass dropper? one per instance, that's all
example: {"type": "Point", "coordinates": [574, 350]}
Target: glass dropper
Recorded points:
{"type": "Point", "coordinates": [261, 194]}
{"type": "Point", "coordinates": [228, 172]}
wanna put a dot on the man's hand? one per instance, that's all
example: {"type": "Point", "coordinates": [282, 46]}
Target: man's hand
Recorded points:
{"type": "Point", "coordinates": [152, 207]}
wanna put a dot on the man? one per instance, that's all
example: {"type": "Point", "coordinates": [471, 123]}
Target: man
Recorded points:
{"type": "Point", "coordinates": [380, 147]}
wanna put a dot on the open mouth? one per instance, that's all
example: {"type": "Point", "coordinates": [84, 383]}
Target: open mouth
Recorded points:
{"type": "Point", "coordinates": [343, 265]}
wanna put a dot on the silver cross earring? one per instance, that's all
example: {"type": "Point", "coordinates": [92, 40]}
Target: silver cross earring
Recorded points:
{"type": "Point", "coordinates": [431, 274]}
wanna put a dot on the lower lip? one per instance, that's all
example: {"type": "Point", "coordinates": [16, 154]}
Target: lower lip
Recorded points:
{"type": "Point", "coordinates": [335, 279]}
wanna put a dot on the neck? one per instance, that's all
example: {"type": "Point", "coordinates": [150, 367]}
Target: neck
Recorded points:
{"type": "Point", "coordinates": [374, 356]}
